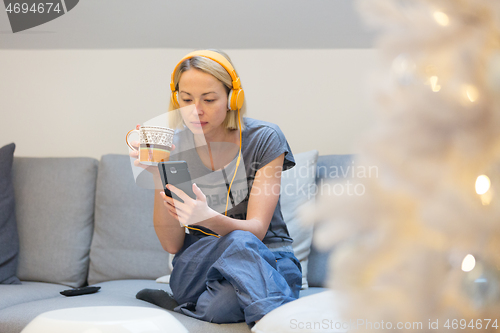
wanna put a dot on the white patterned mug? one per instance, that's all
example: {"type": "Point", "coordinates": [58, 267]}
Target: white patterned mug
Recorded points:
{"type": "Point", "coordinates": [155, 143]}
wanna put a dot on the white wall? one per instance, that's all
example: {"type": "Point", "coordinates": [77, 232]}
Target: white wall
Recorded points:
{"type": "Point", "coordinates": [83, 102]}
{"type": "Point", "coordinates": [225, 24]}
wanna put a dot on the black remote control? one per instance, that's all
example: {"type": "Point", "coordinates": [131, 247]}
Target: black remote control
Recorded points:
{"type": "Point", "coordinates": [80, 291]}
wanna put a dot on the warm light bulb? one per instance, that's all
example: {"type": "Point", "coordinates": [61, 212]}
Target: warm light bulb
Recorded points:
{"type": "Point", "coordinates": [471, 92]}
{"type": "Point", "coordinates": [482, 184]}
{"type": "Point", "coordinates": [441, 18]}
{"type": "Point", "coordinates": [434, 86]}
{"type": "Point", "coordinates": [468, 263]}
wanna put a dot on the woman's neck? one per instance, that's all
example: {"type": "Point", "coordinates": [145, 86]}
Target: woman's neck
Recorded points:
{"type": "Point", "coordinates": [226, 136]}
{"type": "Point", "coordinates": [219, 154]}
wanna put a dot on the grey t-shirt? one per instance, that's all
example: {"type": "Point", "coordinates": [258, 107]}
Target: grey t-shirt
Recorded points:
{"type": "Point", "coordinates": [262, 142]}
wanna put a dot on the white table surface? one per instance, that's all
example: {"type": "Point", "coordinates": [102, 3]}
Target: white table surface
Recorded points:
{"type": "Point", "coordinates": [105, 319]}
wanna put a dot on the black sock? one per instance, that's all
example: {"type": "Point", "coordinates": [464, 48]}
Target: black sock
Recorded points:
{"type": "Point", "coordinates": [157, 297]}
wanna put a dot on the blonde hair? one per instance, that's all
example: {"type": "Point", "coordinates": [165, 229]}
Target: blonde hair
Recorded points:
{"type": "Point", "coordinates": [216, 70]}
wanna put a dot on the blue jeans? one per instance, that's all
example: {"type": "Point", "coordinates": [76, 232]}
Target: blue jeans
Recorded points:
{"type": "Point", "coordinates": [234, 278]}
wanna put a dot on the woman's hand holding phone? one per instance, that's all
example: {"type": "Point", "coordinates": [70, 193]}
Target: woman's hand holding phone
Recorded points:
{"type": "Point", "coordinates": [190, 211]}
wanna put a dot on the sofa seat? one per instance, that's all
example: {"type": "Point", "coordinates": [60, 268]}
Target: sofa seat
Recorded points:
{"type": "Point", "coordinates": [14, 294]}
{"type": "Point", "coordinates": [22, 303]}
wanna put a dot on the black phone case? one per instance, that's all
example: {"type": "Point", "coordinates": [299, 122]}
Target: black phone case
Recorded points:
{"type": "Point", "coordinates": [176, 173]}
{"type": "Point", "coordinates": [80, 291]}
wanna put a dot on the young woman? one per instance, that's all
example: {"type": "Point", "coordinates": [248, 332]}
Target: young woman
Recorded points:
{"type": "Point", "coordinates": [235, 264]}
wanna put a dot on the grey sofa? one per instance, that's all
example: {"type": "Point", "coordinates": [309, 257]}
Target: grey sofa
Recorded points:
{"type": "Point", "coordinates": [83, 221]}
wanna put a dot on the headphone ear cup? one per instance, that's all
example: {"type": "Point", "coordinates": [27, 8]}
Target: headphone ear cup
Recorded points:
{"type": "Point", "coordinates": [235, 99]}
{"type": "Point", "coordinates": [238, 98]}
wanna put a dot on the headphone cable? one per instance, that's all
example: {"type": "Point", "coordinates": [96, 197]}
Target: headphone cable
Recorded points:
{"type": "Point", "coordinates": [237, 164]}
{"type": "Point", "coordinates": [206, 233]}
{"type": "Point", "coordinates": [229, 190]}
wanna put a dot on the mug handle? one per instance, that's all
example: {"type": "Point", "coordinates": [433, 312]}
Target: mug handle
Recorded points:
{"type": "Point", "coordinates": [126, 138]}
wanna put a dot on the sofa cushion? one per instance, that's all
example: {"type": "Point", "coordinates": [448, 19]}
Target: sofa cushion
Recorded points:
{"type": "Point", "coordinates": [26, 292]}
{"type": "Point", "coordinates": [14, 318]}
{"type": "Point", "coordinates": [318, 266]}
{"type": "Point", "coordinates": [125, 245]}
{"type": "Point", "coordinates": [335, 167]}
{"type": "Point", "coordinates": [9, 250]}
{"type": "Point", "coordinates": [112, 293]}
{"type": "Point", "coordinates": [297, 189]}
{"type": "Point", "coordinates": [54, 209]}
{"type": "Point", "coordinates": [330, 170]}
{"type": "Point", "coordinates": [315, 313]}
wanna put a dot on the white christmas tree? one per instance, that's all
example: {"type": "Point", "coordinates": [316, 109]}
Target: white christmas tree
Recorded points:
{"type": "Point", "coordinates": [423, 242]}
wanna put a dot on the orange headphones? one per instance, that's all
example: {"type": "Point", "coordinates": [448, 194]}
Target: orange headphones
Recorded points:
{"type": "Point", "coordinates": [234, 101]}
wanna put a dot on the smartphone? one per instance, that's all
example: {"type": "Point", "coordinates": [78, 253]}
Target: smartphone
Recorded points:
{"type": "Point", "coordinates": [176, 173]}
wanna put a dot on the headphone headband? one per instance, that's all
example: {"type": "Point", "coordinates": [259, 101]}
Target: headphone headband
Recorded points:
{"type": "Point", "coordinates": [236, 96]}
{"type": "Point", "coordinates": [212, 55]}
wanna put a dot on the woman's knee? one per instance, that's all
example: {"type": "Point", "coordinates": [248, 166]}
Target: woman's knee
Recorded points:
{"type": "Point", "coordinates": [241, 234]}
{"type": "Point", "coordinates": [240, 237]}
{"type": "Point", "coordinates": [220, 303]}
{"type": "Point", "coordinates": [247, 245]}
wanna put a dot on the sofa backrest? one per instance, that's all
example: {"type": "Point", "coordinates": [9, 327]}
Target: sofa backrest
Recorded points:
{"type": "Point", "coordinates": [124, 245]}
{"type": "Point", "coordinates": [80, 218]}
{"type": "Point", "coordinates": [54, 200]}
{"type": "Point", "coordinates": [330, 169]}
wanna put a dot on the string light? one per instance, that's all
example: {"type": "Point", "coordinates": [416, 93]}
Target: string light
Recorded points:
{"type": "Point", "coordinates": [468, 263]}
{"type": "Point", "coordinates": [441, 18]}
{"type": "Point", "coordinates": [471, 92]}
{"type": "Point", "coordinates": [482, 184]}
{"type": "Point", "coordinates": [434, 86]}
